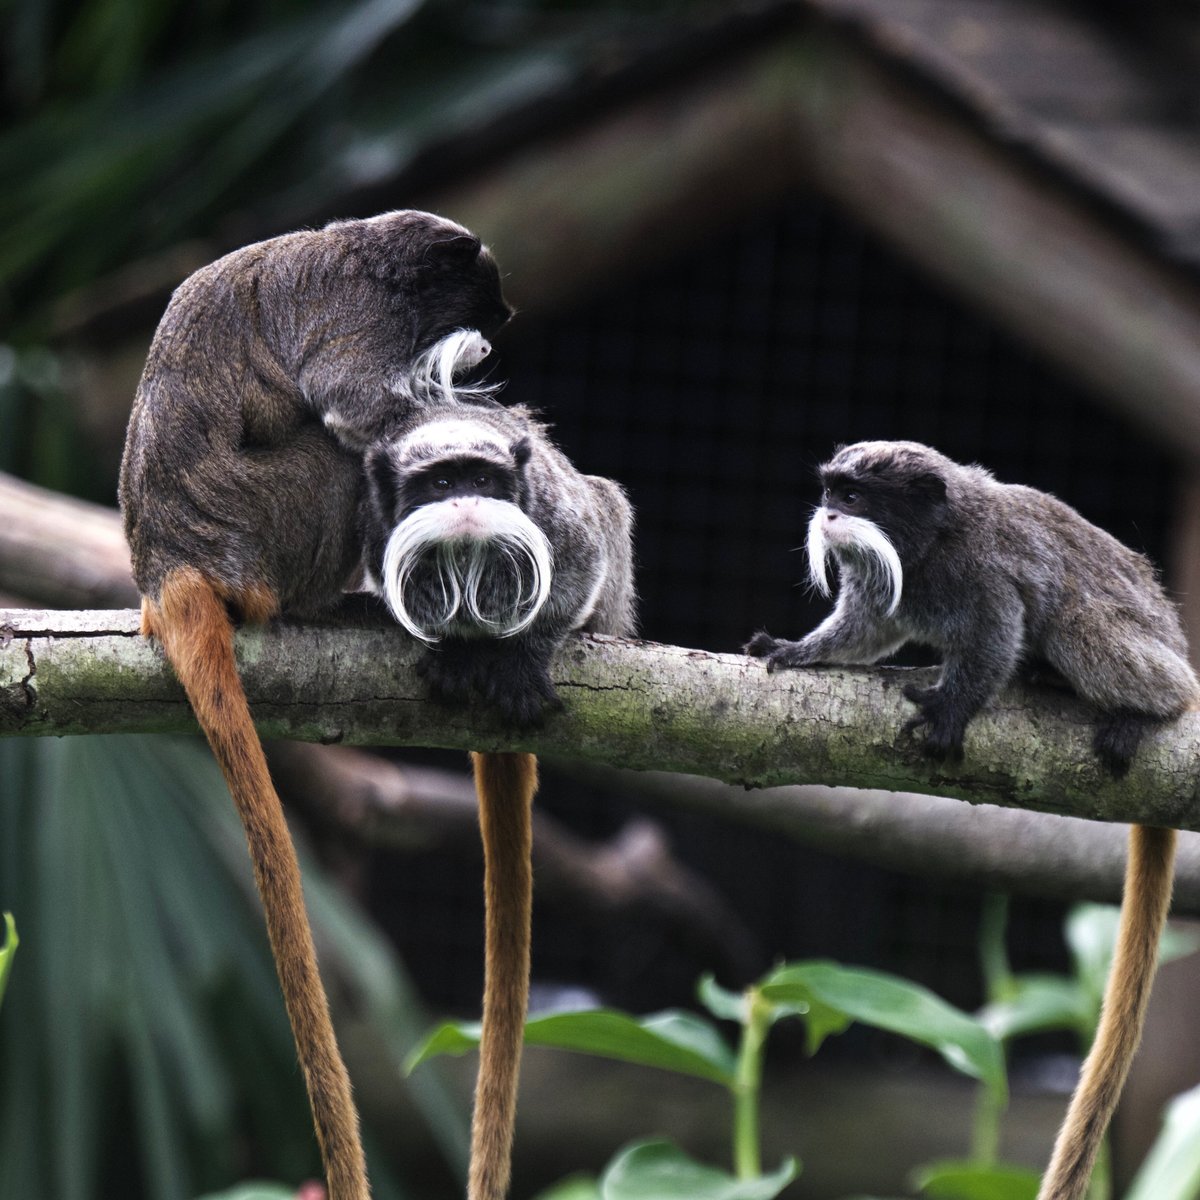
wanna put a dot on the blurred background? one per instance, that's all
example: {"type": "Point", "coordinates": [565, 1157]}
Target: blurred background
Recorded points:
{"type": "Point", "coordinates": [737, 235]}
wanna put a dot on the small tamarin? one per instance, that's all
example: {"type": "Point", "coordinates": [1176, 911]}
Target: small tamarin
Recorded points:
{"type": "Point", "coordinates": [995, 575]}
{"type": "Point", "coordinates": [490, 547]}
{"type": "Point", "coordinates": [240, 485]}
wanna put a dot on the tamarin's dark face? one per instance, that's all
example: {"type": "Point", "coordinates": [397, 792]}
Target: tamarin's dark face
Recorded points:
{"type": "Point", "coordinates": [843, 495]}
{"type": "Point", "coordinates": [459, 478]}
{"type": "Point", "coordinates": [401, 487]}
{"type": "Point", "coordinates": [452, 550]}
{"type": "Point", "coordinates": [437, 273]}
{"type": "Point", "coordinates": [888, 484]}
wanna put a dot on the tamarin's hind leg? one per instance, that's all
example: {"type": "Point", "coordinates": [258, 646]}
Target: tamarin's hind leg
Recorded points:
{"type": "Point", "coordinates": [192, 620]}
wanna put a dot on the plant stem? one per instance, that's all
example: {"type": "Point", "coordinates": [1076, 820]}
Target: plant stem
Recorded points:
{"type": "Point", "coordinates": [747, 1162]}
{"type": "Point", "coordinates": [985, 1130]}
{"type": "Point", "coordinates": [997, 985]}
{"type": "Point", "coordinates": [993, 954]}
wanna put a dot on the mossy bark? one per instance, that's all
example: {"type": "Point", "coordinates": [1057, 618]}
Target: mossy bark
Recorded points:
{"type": "Point", "coordinates": [629, 703]}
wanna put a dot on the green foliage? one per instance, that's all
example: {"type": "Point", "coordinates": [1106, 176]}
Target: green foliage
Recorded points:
{"type": "Point", "coordinates": [255, 1191]}
{"type": "Point", "coordinates": [975, 1181]}
{"type": "Point", "coordinates": [574, 1187]}
{"type": "Point", "coordinates": [1036, 1004]}
{"type": "Point", "coordinates": [838, 995]}
{"type": "Point", "coordinates": [674, 1041]}
{"type": "Point", "coordinates": [152, 123]}
{"type": "Point", "coordinates": [8, 949]}
{"type": "Point", "coordinates": [829, 997]}
{"type": "Point", "coordinates": [1172, 1168]}
{"type": "Point", "coordinates": [658, 1170]}
{"type": "Point", "coordinates": [144, 1045]}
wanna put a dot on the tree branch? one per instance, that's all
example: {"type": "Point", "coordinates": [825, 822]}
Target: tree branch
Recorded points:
{"type": "Point", "coordinates": [1061, 858]}
{"type": "Point", "coordinates": [637, 704]}
{"type": "Point", "coordinates": [57, 550]}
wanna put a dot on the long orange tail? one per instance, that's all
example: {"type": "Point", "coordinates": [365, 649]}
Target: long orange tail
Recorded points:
{"type": "Point", "coordinates": [505, 784]}
{"type": "Point", "coordinates": [193, 624]}
{"type": "Point", "coordinates": [1148, 878]}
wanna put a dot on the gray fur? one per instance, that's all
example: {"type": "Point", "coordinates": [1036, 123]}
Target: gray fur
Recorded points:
{"type": "Point", "coordinates": [995, 575]}
{"type": "Point", "coordinates": [270, 371]}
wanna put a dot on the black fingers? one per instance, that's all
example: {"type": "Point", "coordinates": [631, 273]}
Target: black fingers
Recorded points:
{"type": "Point", "coordinates": [521, 691]}
{"type": "Point", "coordinates": [511, 677]}
{"type": "Point", "coordinates": [943, 720]}
{"type": "Point", "coordinates": [760, 645]}
{"type": "Point", "coordinates": [778, 654]}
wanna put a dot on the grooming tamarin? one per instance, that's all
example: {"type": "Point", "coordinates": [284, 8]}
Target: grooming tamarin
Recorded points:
{"type": "Point", "coordinates": [995, 575]}
{"type": "Point", "coordinates": [270, 371]}
{"type": "Point", "coordinates": [490, 547]}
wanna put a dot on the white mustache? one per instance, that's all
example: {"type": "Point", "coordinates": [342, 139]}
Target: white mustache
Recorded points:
{"type": "Point", "coordinates": [431, 374]}
{"type": "Point", "coordinates": [427, 538]}
{"type": "Point", "coordinates": [879, 556]}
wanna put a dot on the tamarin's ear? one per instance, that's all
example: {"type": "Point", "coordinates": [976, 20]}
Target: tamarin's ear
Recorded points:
{"type": "Point", "coordinates": [459, 248]}
{"type": "Point", "coordinates": [521, 449]}
{"type": "Point", "coordinates": [931, 486]}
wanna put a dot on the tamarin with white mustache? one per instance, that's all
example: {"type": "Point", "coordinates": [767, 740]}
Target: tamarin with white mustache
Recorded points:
{"type": "Point", "coordinates": [994, 575]}
{"type": "Point", "coordinates": [490, 547]}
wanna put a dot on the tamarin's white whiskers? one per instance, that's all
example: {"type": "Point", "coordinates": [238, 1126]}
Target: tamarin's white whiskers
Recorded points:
{"type": "Point", "coordinates": [430, 378]}
{"type": "Point", "coordinates": [429, 539]}
{"type": "Point", "coordinates": [866, 541]}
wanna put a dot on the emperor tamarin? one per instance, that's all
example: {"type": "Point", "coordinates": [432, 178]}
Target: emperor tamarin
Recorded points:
{"type": "Point", "coordinates": [490, 548]}
{"type": "Point", "coordinates": [994, 575]}
{"type": "Point", "coordinates": [272, 369]}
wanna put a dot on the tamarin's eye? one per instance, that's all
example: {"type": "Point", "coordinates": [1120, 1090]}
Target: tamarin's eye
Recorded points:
{"type": "Point", "coordinates": [441, 484]}
{"type": "Point", "coordinates": [482, 481]}
{"type": "Point", "coordinates": [850, 497]}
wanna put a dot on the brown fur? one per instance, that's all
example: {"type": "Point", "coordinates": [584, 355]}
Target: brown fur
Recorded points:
{"type": "Point", "coordinates": [193, 623]}
{"type": "Point", "coordinates": [505, 784]}
{"type": "Point", "coordinates": [271, 370]}
{"type": "Point", "coordinates": [1148, 878]}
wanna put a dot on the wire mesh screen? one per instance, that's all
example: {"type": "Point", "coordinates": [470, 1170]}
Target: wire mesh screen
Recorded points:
{"type": "Point", "coordinates": [711, 387]}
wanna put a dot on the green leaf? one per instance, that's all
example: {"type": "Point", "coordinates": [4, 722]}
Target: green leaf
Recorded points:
{"type": "Point", "coordinates": [451, 1037]}
{"type": "Point", "coordinates": [574, 1187]}
{"type": "Point", "coordinates": [8, 950]}
{"type": "Point", "coordinates": [971, 1181]}
{"type": "Point", "coordinates": [839, 995]}
{"type": "Point", "coordinates": [1171, 1170]}
{"type": "Point", "coordinates": [672, 1040]}
{"type": "Point", "coordinates": [721, 1002]}
{"type": "Point", "coordinates": [1091, 933]}
{"type": "Point", "coordinates": [731, 1006]}
{"type": "Point", "coordinates": [255, 1191]}
{"type": "Point", "coordinates": [659, 1170]}
{"type": "Point", "coordinates": [1036, 1003]}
